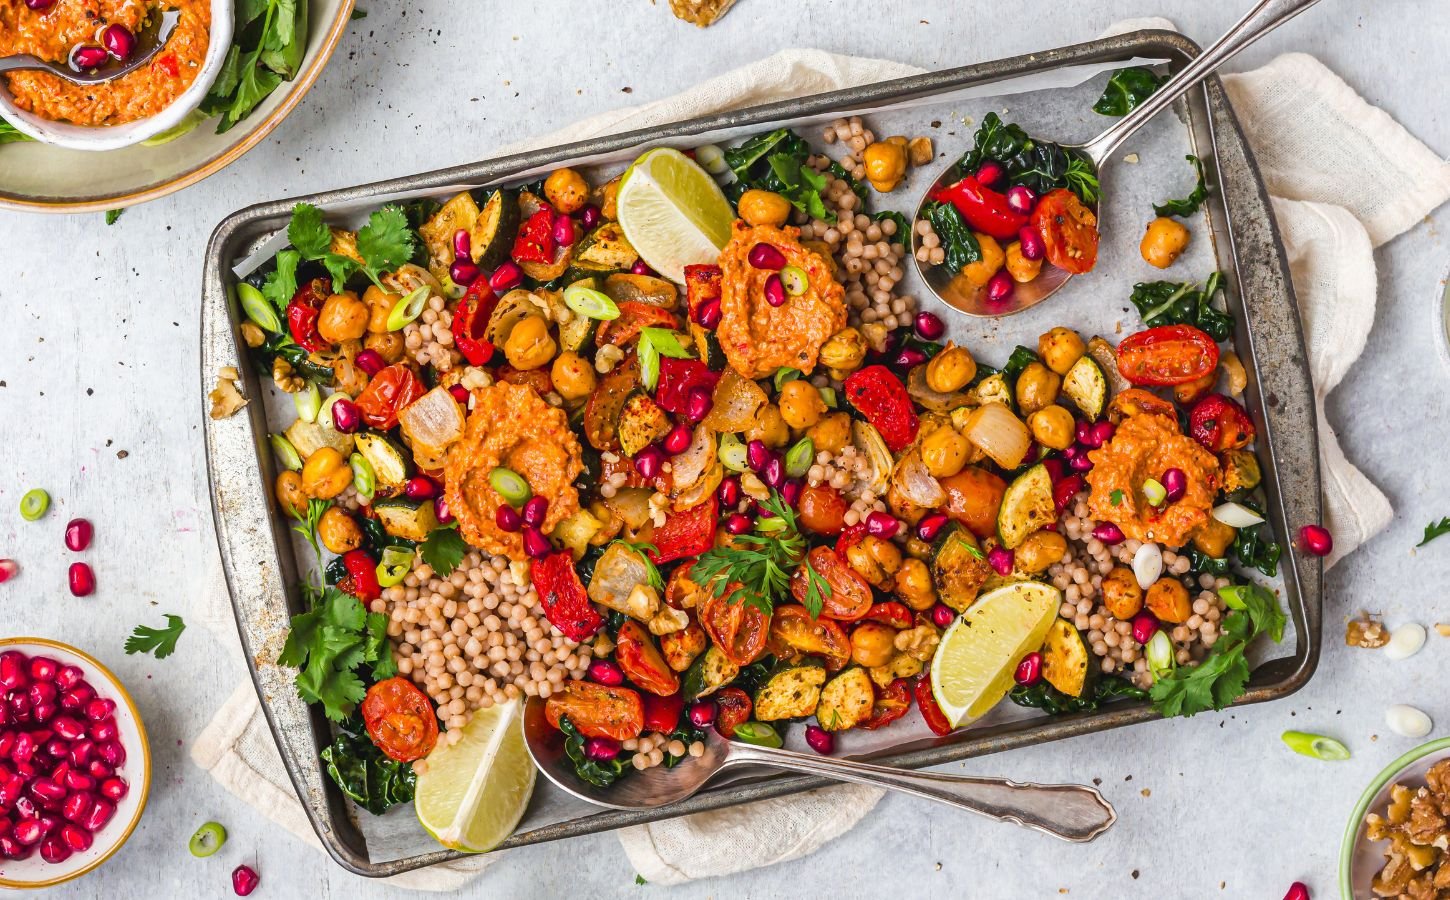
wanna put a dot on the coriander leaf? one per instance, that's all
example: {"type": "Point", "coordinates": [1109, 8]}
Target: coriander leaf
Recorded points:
{"type": "Point", "coordinates": [112, 215]}
{"type": "Point", "coordinates": [1190, 204]}
{"type": "Point", "coordinates": [1434, 530]}
{"type": "Point", "coordinates": [1125, 90]}
{"type": "Point", "coordinates": [161, 641]}
{"type": "Point", "coordinates": [1223, 675]}
{"type": "Point", "coordinates": [308, 233]}
{"type": "Point", "coordinates": [443, 550]}
{"type": "Point", "coordinates": [281, 283]}
{"type": "Point", "coordinates": [1116, 497]}
{"type": "Point", "coordinates": [385, 242]}
{"type": "Point", "coordinates": [326, 645]}
{"type": "Point", "coordinates": [640, 879]}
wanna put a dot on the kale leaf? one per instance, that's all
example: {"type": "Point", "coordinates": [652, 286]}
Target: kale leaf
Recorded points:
{"type": "Point", "coordinates": [1050, 700]}
{"type": "Point", "coordinates": [1190, 204]}
{"type": "Point", "coordinates": [1021, 358]}
{"type": "Point", "coordinates": [598, 772]}
{"type": "Point", "coordinates": [776, 161]}
{"type": "Point", "coordinates": [957, 240]}
{"type": "Point", "coordinates": [1040, 165]}
{"type": "Point", "coordinates": [1125, 90]}
{"type": "Point", "coordinates": [365, 773]}
{"type": "Point", "coordinates": [1172, 303]}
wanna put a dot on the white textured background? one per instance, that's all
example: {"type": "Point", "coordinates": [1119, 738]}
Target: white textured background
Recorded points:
{"type": "Point", "coordinates": [98, 357]}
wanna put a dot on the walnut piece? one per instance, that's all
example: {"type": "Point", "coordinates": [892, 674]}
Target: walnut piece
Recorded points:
{"type": "Point", "coordinates": [1416, 822]}
{"type": "Point", "coordinates": [225, 398]}
{"type": "Point", "coordinates": [920, 151]}
{"type": "Point", "coordinates": [701, 13]}
{"type": "Point", "coordinates": [1367, 632]}
{"type": "Point", "coordinates": [286, 380]}
{"type": "Point", "coordinates": [919, 643]}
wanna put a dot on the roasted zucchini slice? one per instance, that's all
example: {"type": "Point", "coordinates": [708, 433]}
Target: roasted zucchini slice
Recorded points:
{"type": "Point", "coordinates": [1026, 506]}
{"type": "Point", "coordinates": [494, 230]}
{"type": "Point", "coordinates": [992, 389]}
{"type": "Point", "coordinates": [641, 423]}
{"type": "Point", "coordinates": [1106, 356]}
{"type": "Point", "coordinates": [846, 700]}
{"type": "Point", "coordinates": [309, 437]}
{"type": "Point", "coordinates": [712, 671]}
{"type": "Point", "coordinates": [1066, 662]}
{"type": "Point", "coordinates": [1087, 387]}
{"type": "Point", "coordinates": [605, 249]}
{"type": "Point", "coordinates": [437, 233]}
{"type": "Point", "coordinates": [790, 692]}
{"type": "Point", "coordinates": [409, 519]}
{"type": "Point", "coordinates": [958, 567]}
{"type": "Point", "coordinates": [389, 463]}
{"type": "Point", "coordinates": [707, 347]}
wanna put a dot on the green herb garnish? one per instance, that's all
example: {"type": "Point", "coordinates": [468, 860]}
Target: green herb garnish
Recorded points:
{"type": "Point", "coordinates": [600, 773]}
{"type": "Point", "coordinates": [308, 522]}
{"type": "Point", "coordinates": [386, 242]}
{"type": "Point", "coordinates": [761, 562]}
{"type": "Point", "coordinates": [1116, 497]}
{"type": "Point", "coordinates": [1190, 204]}
{"type": "Point", "coordinates": [329, 644]}
{"type": "Point", "coordinates": [112, 215]}
{"type": "Point", "coordinates": [777, 161]}
{"type": "Point", "coordinates": [443, 550]}
{"type": "Point", "coordinates": [1434, 530]}
{"type": "Point", "coordinates": [271, 40]}
{"type": "Point", "coordinates": [1223, 675]}
{"type": "Point", "coordinates": [160, 641]}
{"type": "Point", "coordinates": [1172, 303]}
{"type": "Point", "coordinates": [654, 343]}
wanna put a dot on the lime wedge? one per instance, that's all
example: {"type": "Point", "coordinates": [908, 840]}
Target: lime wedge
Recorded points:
{"type": "Point", "coordinates": [673, 212]}
{"type": "Point", "coordinates": [973, 666]}
{"type": "Point", "coordinates": [473, 793]}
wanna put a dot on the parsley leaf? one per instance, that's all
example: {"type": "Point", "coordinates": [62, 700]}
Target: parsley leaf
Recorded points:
{"type": "Point", "coordinates": [444, 550]}
{"type": "Point", "coordinates": [1190, 204]}
{"type": "Point", "coordinates": [1434, 530]}
{"type": "Point", "coordinates": [281, 283]}
{"type": "Point", "coordinates": [1223, 675]}
{"type": "Point", "coordinates": [759, 564]}
{"type": "Point", "coordinates": [385, 242]}
{"type": "Point", "coordinates": [112, 215]}
{"type": "Point", "coordinates": [328, 644]}
{"type": "Point", "coordinates": [161, 641]}
{"type": "Point", "coordinates": [308, 233]}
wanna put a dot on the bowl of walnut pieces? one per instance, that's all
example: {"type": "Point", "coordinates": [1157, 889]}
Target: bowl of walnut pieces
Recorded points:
{"type": "Point", "coordinates": [1398, 840]}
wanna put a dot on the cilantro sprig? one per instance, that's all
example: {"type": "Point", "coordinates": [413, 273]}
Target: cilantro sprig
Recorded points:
{"type": "Point", "coordinates": [1223, 675]}
{"type": "Point", "coordinates": [1434, 530]}
{"type": "Point", "coordinates": [443, 550]}
{"type": "Point", "coordinates": [759, 564]}
{"type": "Point", "coordinates": [386, 242]}
{"type": "Point", "coordinates": [329, 643]}
{"type": "Point", "coordinates": [160, 641]}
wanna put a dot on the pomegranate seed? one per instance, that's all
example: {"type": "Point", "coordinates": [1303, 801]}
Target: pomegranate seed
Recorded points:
{"type": "Point", "coordinates": [790, 492]}
{"type": "Point", "coordinates": [989, 173]}
{"type": "Point", "coordinates": [709, 314]}
{"type": "Point", "coordinates": [775, 293]}
{"type": "Point", "coordinates": [14, 674]}
{"type": "Point", "coordinates": [99, 815]}
{"type": "Point", "coordinates": [420, 487]}
{"type": "Point", "coordinates": [942, 615]}
{"type": "Point", "coordinates": [83, 57]}
{"type": "Point", "coordinates": [1030, 242]}
{"type": "Point", "coordinates": [1317, 540]}
{"type": "Point", "coordinates": [346, 417]}
{"type": "Point", "coordinates": [564, 236]}
{"type": "Point", "coordinates": [774, 472]}
{"type": "Point", "coordinates": [1080, 463]}
{"type": "Point", "coordinates": [119, 41]}
{"type": "Point", "coordinates": [24, 806]}
{"type": "Point", "coordinates": [440, 509]}
{"type": "Point", "coordinates": [24, 747]}
{"type": "Point", "coordinates": [464, 272]}
{"type": "Point", "coordinates": [930, 526]}
{"type": "Point", "coordinates": [47, 793]}
{"type": "Point", "coordinates": [1021, 199]}
{"type": "Point", "coordinates": [43, 668]}
{"type": "Point", "coordinates": [115, 789]}
{"type": "Point", "coordinates": [1297, 891]}
{"type": "Point", "coordinates": [1145, 625]}
{"type": "Point", "coordinates": [649, 461]}
{"type": "Point", "coordinates": [245, 880]}
{"type": "Point", "coordinates": [1000, 559]}
{"type": "Point", "coordinates": [99, 769]}
{"type": "Point", "coordinates": [112, 754]}
{"type": "Point", "coordinates": [69, 728]}
{"type": "Point", "coordinates": [601, 748]}
{"type": "Point", "coordinates": [882, 525]}
{"type": "Point", "coordinates": [9, 568]}
{"type": "Point", "coordinates": [99, 708]}
{"type": "Point", "coordinates": [7, 743]}
{"type": "Point", "coordinates": [506, 277]}
{"type": "Point", "coordinates": [54, 850]}
{"type": "Point", "coordinates": [641, 267]}
{"type": "Point", "coordinates": [1108, 533]}
{"type": "Point", "coordinates": [82, 580]}
{"type": "Point", "coordinates": [81, 751]}
{"type": "Point", "coordinates": [589, 217]}
{"type": "Point", "coordinates": [698, 404]}
{"type": "Point", "coordinates": [41, 692]}
{"type": "Point", "coordinates": [77, 781]}
{"type": "Point", "coordinates": [929, 326]}
{"type": "Point", "coordinates": [1175, 483]}
{"type": "Point", "coordinates": [766, 256]}
{"type": "Point", "coordinates": [27, 831]}
{"type": "Point", "coordinates": [462, 243]}
{"type": "Point", "coordinates": [78, 534]}
{"type": "Point", "coordinates": [9, 846]}
{"type": "Point", "coordinates": [703, 712]}
{"type": "Point", "coordinates": [535, 544]}
{"type": "Point", "coordinates": [76, 837]}
{"type": "Point", "coordinates": [757, 455]}
{"type": "Point", "coordinates": [78, 696]}
{"type": "Point", "coordinates": [1000, 287]}
{"type": "Point", "coordinates": [909, 357]}
{"type": "Point", "coordinates": [371, 362]}
{"type": "Point", "coordinates": [39, 5]}
{"type": "Point", "coordinates": [820, 740]}
{"type": "Point", "coordinates": [1029, 670]}
{"type": "Point", "coordinates": [1102, 432]}
{"type": "Point", "coordinates": [728, 493]}
{"type": "Point", "coordinates": [605, 671]}
{"type": "Point", "coordinates": [535, 510]}
{"type": "Point", "coordinates": [679, 439]}
{"type": "Point", "coordinates": [102, 732]}
{"type": "Point", "coordinates": [77, 806]}
{"type": "Point", "coordinates": [738, 523]}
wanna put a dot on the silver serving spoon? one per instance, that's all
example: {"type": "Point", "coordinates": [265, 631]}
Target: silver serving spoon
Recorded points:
{"type": "Point", "coordinates": [149, 40]}
{"type": "Point", "coordinates": [956, 293]}
{"type": "Point", "coordinates": [1072, 812]}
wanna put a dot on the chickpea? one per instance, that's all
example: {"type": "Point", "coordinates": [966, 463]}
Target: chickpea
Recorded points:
{"type": "Point", "coordinates": [944, 452]}
{"type": "Point", "coordinates": [832, 432]}
{"type": "Point", "coordinates": [290, 495]}
{"type": "Point", "coordinates": [913, 585]}
{"type": "Point", "coordinates": [325, 474]}
{"type": "Point", "coordinates": [529, 345]}
{"type": "Point", "coordinates": [338, 531]}
{"type": "Point", "coordinates": [1060, 349]}
{"type": "Point", "coordinates": [873, 644]}
{"type": "Point", "coordinates": [389, 345]}
{"type": "Point", "coordinates": [380, 303]}
{"type": "Point", "coordinates": [1190, 391]}
{"type": "Point", "coordinates": [875, 560]}
{"type": "Point", "coordinates": [1121, 594]}
{"type": "Point", "coordinates": [1037, 388]}
{"type": "Point", "coordinates": [1040, 550]}
{"type": "Point", "coordinates": [977, 274]}
{"type": "Point", "coordinates": [885, 164]}
{"type": "Point", "coordinates": [1163, 242]}
{"type": "Point", "coordinates": [800, 404]}
{"type": "Point", "coordinates": [760, 207]}
{"type": "Point", "coordinates": [1020, 267]}
{"type": "Point", "coordinates": [566, 190]}
{"type": "Point", "coordinates": [1168, 600]}
{"type": "Point", "coordinates": [573, 376]}
{"type": "Point", "coordinates": [769, 426]}
{"type": "Point", "coordinates": [343, 318]}
{"type": "Point", "coordinates": [950, 370]}
{"type": "Point", "coordinates": [1052, 427]}
{"type": "Point", "coordinates": [1214, 537]}
{"type": "Point", "coordinates": [609, 198]}
{"type": "Point", "coordinates": [844, 351]}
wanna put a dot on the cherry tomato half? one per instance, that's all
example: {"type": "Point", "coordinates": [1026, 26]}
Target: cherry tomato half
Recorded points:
{"type": "Point", "coordinates": [1069, 229]}
{"type": "Point", "coordinates": [641, 662]}
{"type": "Point", "coordinates": [387, 393]}
{"type": "Point", "coordinates": [892, 702]}
{"type": "Point", "coordinates": [1167, 355]}
{"type": "Point", "coordinates": [738, 629]}
{"type": "Point", "coordinates": [822, 509]}
{"type": "Point", "coordinates": [597, 710]}
{"type": "Point", "coordinates": [1219, 424]}
{"type": "Point", "coordinates": [848, 599]}
{"type": "Point", "coordinates": [735, 707]}
{"type": "Point", "coordinates": [794, 633]}
{"type": "Point", "coordinates": [400, 719]}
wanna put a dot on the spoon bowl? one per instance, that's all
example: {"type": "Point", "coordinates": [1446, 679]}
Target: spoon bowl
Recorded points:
{"type": "Point", "coordinates": [149, 41]}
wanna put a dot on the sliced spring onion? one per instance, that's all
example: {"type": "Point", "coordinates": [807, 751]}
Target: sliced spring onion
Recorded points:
{"type": "Point", "coordinates": [732, 453]}
{"type": "Point", "coordinates": [795, 280]}
{"type": "Point", "coordinates": [308, 402]}
{"type": "Point", "coordinates": [364, 479]}
{"type": "Point", "coordinates": [799, 457]}
{"type": "Point", "coordinates": [510, 485]}
{"type": "Point", "coordinates": [395, 565]}
{"type": "Point", "coordinates": [1233, 595]}
{"type": "Point", "coordinates": [324, 412]}
{"type": "Point", "coordinates": [34, 504]}
{"type": "Point", "coordinates": [408, 309]}
{"type": "Point", "coordinates": [262, 313]}
{"type": "Point", "coordinates": [589, 303]}
{"type": "Point", "coordinates": [712, 159]}
{"type": "Point", "coordinates": [287, 454]}
{"type": "Point", "coordinates": [758, 733]}
{"type": "Point", "coordinates": [785, 375]}
{"type": "Point", "coordinates": [828, 396]}
{"type": "Point", "coordinates": [1316, 745]}
{"type": "Point", "coordinates": [654, 343]}
{"type": "Point", "coordinates": [1237, 515]}
{"type": "Point", "coordinates": [1154, 492]}
{"type": "Point", "coordinates": [1159, 654]}
{"type": "Point", "coordinates": [207, 840]}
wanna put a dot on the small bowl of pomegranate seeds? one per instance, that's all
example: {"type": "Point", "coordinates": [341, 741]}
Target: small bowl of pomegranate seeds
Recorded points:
{"type": "Point", "coordinates": [74, 763]}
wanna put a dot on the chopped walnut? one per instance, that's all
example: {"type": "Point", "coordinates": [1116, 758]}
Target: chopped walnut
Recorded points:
{"type": "Point", "coordinates": [700, 13]}
{"type": "Point", "coordinates": [225, 398]}
{"type": "Point", "coordinates": [669, 620]}
{"type": "Point", "coordinates": [603, 646]}
{"type": "Point", "coordinates": [875, 335]}
{"type": "Point", "coordinates": [920, 151]}
{"type": "Point", "coordinates": [606, 358]}
{"type": "Point", "coordinates": [919, 642]}
{"type": "Point", "coordinates": [1415, 824]}
{"type": "Point", "coordinates": [1367, 632]}
{"type": "Point", "coordinates": [286, 379]}
{"type": "Point", "coordinates": [643, 602]}
{"type": "Point", "coordinates": [901, 665]}
{"type": "Point", "coordinates": [253, 335]}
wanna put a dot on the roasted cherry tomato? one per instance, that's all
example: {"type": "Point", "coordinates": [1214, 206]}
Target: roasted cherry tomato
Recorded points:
{"type": "Point", "coordinates": [850, 538]}
{"type": "Point", "coordinates": [681, 592]}
{"type": "Point", "coordinates": [633, 316]}
{"type": "Point", "coordinates": [890, 612]}
{"type": "Point", "coordinates": [738, 629]}
{"type": "Point", "coordinates": [662, 714]}
{"type": "Point", "coordinates": [400, 719]}
{"type": "Point", "coordinates": [879, 396]}
{"type": "Point", "coordinates": [362, 572]}
{"type": "Point", "coordinates": [387, 393]}
{"type": "Point", "coordinates": [734, 707]}
{"type": "Point", "coordinates": [822, 509]}
{"type": "Point", "coordinates": [984, 209]}
{"type": "Point", "coordinates": [1167, 355]}
{"type": "Point", "coordinates": [641, 662]}
{"type": "Point", "coordinates": [794, 633]}
{"type": "Point", "coordinates": [1220, 424]}
{"type": "Point", "coordinates": [597, 710]}
{"type": "Point", "coordinates": [303, 312]}
{"type": "Point", "coordinates": [686, 534]}
{"type": "Point", "coordinates": [1137, 402]}
{"type": "Point", "coordinates": [892, 702]}
{"type": "Point", "coordinates": [535, 241]}
{"type": "Point", "coordinates": [848, 599]}
{"type": "Point", "coordinates": [602, 410]}
{"type": "Point", "coordinates": [470, 321]}
{"type": "Point", "coordinates": [936, 720]}
{"type": "Point", "coordinates": [1069, 229]}
{"type": "Point", "coordinates": [561, 593]}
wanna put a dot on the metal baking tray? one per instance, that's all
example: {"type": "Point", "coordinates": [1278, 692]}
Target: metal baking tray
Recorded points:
{"type": "Point", "coordinates": [1236, 233]}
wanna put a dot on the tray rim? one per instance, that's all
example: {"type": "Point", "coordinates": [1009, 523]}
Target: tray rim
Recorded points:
{"type": "Point", "coordinates": [1264, 288]}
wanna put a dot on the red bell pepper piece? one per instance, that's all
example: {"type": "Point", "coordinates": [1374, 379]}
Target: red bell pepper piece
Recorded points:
{"type": "Point", "coordinates": [687, 533]}
{"type": "Point", "coordinates": [890, 612]}
{"type": "Point", "coordinates": [850, 538]}
{"type": "Point", "coordinates": [662, 714]}
{"type": "Point", "coordinates": [470, 320]}
{"type": "Point", "coordinates": [936, 720]}
{"type": "Point", "coordinates": [566, 605]}
{"type": "Point", "coordinates": [702, 284]}
{"type": "Point", "coordinates": [984, 209]}
{"type": "Point", "coordinates": [535, 241]}
{"type": "Point", "coordinates": [678, 378]}
{"type": "Point", "coordinates": [881, 397]}
{"type": "Point", "coordinates": [362, 572]}
{"type": "Point", "coordinates": [302, 314]}
{"type": "Point", "coordinates": [892, 702]}
{"type": "Point", "coordinates": [1219, 424]}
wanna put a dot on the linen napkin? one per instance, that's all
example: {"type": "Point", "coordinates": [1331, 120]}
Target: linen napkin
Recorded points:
{"type": "Point", "coordinates": [1291, 104]}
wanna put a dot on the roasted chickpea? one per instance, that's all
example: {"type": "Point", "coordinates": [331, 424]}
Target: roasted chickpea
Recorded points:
{"type": "Point", "coordinates": [950, 370]}
{"type": "Point", "coordinates": [1190, 391]}
{"type": "Point", "coordinates": [325, 474]}
{"type": "Point", "coordinates": [1121, 594]}
{"type": "Point", "coordinates": [566, 190]}
{"type": "Point", "coordinates": [389, 345]}
{"type": "Point", "coordinates": [379, 303]}
{"type": "Point", "coordinates": [1052, 427]}
{"type": "Point", "coordinates": [1060, 349]}
{"type": "Point", "coordinates": [573, 376]}
{"type": "Point", "coordinates": [1040, 550]}
{"type": "Point", "coordinates": [913, 585]}
{"type": "Point", "coordinates": [873, 644]}
{"type": "Point", "coordinates": [844, 351]}
{"type": "Point", "coordinates": [290, 494]}
{"type": "Point", "coordinates": [338, 531]}
{"type": "Point", "coordinates": [832, 432]}
{"type": "Point", "coordinates": [529, 345]}
{"type": "Point", "coordinates": [769, 426]}
{"type": "Point", "coordinates": [760, 207]}
{"type": "Point", "coordinates": [609, 198]}
{"type": "Point", "coordinates": [1213, 538]}
{"type": "Point", "coordinates": [885, 164]}
{"type": "Point", "coordinates": [944, 452]}
{"type": "Point", "coordinates": [1037, 388]}
{"type": "Point", "coordinates": [1163, 242]}
{"type": "Point", "coordinates": [977, 274]}
{"type": "Point", "coordinates": [343, 318]}
{"type": "Point", "coordinates": [800, 404]}
{"type": "Point", "coordinates": [1168, 600]}
{"type": "Point", "coordinates": [1020, 267]}
{"type": "Point", "coordinates": [875, 560]}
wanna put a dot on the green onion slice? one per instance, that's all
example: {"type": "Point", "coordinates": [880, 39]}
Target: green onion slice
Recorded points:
{"type": "Point", "coordinates": [395, 565]}
{"type": "Point", "coordinates": [364, 479]}
{"type": "Point", "coordinates": [262, 313]}
{"type": "Point", "coordinates": [510, 485]}
{"type": "Point", "coordinates": [828, 396]}
{"type": "Point", "coordinates": [1233, 596]}
{"type": "Point", "coordinates": [207, 840]}
{"type": "Point", "coordinates": [1159, 653]}
{"type": "Point", "coordinates": [308, 402]}
{"type": "Point", "coordinates": [784, 376]}
{"type": "Point", "coordinates": [654, 343]}
{"type": "Point", "coordinates": [1316, 745]}
{"type": "Point", "coordinates": [287, 454]}
{"type": "Point", "coordinates": [1154, 492]}
{"type": "Point", "coordinates": [799, 457]}
{"type": "Point", "coordinates": [408, 309]}
{"type": "Point", "coordinates": [758, 733]}
{"type": "Point", "coordinates": [795, 280]}
{"type": "Point", "coordinates": [732, 453]}
{"type": "Point", "coordinates": [589, 303]}
{"type": "Point", "coordinates": [34, 504]}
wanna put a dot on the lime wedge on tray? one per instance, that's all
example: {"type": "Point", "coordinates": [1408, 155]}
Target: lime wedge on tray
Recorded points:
{"type": "Point", "coordinates": [673, 212]}
{"type": "Point", "coordinates": [473, 793]}
{"type": "Point", "coordinates": [972, 669]}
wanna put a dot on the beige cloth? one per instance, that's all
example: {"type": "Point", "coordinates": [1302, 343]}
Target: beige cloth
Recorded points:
{"type": "Point", "coordinates": [1312, 136]}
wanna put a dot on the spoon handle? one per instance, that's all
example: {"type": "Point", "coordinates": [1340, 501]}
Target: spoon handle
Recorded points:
{"type": "Point", "coordinates": [1072, 812]}
{"type": "Point", "coordinates": [1259, 21]}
